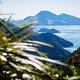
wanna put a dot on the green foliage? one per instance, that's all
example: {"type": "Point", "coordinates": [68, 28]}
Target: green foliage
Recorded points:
{"type": "Point", "coordinates": [16, 64]}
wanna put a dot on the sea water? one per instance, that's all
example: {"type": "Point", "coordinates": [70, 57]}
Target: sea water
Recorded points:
{"type": "Point", "coordinates": [70, 33]}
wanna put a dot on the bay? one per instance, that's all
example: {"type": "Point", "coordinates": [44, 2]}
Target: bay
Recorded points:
{"type": "Point", "coordinates": [70, 33]}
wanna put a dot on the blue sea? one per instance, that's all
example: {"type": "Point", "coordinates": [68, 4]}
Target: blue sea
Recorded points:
{"type": "Point", "coordinates": [70, 33]}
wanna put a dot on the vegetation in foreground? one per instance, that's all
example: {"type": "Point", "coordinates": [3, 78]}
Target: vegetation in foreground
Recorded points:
{"type": "Point", "coordinates": [16, 64]}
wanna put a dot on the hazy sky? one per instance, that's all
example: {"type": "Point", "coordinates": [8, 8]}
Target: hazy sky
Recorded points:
{"type": "Point", "coordinates": [24, 8]}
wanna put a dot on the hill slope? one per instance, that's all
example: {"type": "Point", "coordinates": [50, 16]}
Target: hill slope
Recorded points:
{"type": "Point", "coordinates": [57, 51]}
{"type": "Point", "coordinates": [74, 58]}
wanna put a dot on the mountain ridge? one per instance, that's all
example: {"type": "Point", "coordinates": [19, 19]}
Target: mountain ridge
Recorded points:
{"type": "Point", "coordinates": [57, 51]}
{"type": "Point", "coordinates": [49, 18]}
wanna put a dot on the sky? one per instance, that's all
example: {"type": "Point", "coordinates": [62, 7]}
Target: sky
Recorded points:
{"type": "Point", "coordinates": [23, 8]}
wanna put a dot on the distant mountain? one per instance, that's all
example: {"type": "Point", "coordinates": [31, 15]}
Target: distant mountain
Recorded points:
{"type": "Point", "coordinates": [49, 18]}
{"type": "Point", "coordinates": [51, 39]}
{"type": "Point", "coordinates": [49, 30]}
{"type": "Point", "coordinates": [57, 51]}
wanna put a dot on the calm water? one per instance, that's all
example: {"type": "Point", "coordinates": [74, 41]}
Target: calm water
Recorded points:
{"type": "Point", "coordinates": [70, 33]}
